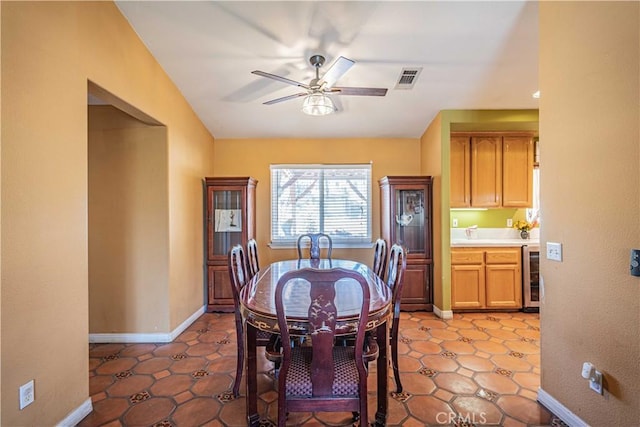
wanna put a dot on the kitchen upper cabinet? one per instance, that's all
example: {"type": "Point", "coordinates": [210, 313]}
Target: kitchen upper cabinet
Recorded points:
{"type": "Point", "coordinates": [460, 155]}
{"type": "Point", "coordinates": [486, 171]}
{"type": "Point", "coordinates": [517, 171]}
{"type": "Point", "coordinates": [486, 278]}
{"type": "Point", "coordinates": [491, 170]}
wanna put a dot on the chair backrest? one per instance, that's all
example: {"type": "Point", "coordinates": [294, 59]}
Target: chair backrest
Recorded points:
{"type": "Point", "coordinates": [252, 257]}
{"type": "Point", "coordinates": [380, 257]}
{"type": "Point", "coordinates": [322, 320]}
{"type": "Point", "coordinates": [237, 271]}
{"type": "Point", "coordinates": [314, 244]}
{"type": "Point", "coordinates": [395, 275]}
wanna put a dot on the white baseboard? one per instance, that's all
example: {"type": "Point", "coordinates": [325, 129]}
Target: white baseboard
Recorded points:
{"type": "Point", "coordinates": [142, 338]}
{"type": "Point", "coordinates": [443, 314]}
{"type": "Point", "coordinates": [560, 410]}
{"type": "Point", "coordinates": [77, 414]}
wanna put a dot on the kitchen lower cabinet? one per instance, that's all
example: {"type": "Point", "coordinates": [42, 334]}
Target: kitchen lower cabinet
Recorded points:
{"type": "Point", "coordinates": [467, 286]}
{"type": "Point", "coordinates": [486, 278]}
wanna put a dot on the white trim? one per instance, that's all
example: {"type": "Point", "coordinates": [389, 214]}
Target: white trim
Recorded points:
{"type": "Point", "coordinates": [142, 338]}
{"type": "Point", "coordinates": [77, 415]}
{"type": "Point", "coordinates": [559, 409]}
{"type": "Point", "coordinates": [443, 314]}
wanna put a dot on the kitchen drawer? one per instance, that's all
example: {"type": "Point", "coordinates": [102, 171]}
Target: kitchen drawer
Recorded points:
{"type": "Point", "coordinates": [503, 256]}
{"type": "Point", "coordinates": [467, 257]}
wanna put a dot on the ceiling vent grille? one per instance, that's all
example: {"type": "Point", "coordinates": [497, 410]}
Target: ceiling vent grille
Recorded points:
{"type": "Point", "coordinates": [408, 78]}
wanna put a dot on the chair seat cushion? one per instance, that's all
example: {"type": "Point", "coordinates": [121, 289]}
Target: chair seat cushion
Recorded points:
{"type": "Point", "coordinates": [346, 379]}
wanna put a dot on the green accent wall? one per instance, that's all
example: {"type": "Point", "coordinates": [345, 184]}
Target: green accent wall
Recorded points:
{"type": "Point", "coordinates": [489, 218]}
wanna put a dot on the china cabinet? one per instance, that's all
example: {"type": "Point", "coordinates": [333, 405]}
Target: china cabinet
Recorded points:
{"type": "Point", "coordinates": [406, 219]}
{"type": "Point", "coordinates": [230, 220]}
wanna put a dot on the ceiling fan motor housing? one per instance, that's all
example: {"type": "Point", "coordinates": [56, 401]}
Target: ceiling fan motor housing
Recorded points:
{"type": "Point", "coordinates": [317, 61]}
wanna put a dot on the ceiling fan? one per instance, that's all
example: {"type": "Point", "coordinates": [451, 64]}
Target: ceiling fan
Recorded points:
{"type": "Point", "coordinates": [317, 103]}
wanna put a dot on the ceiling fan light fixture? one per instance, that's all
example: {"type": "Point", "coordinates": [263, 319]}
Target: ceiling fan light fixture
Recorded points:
{"type": "Point", "coordinates": [318, 104]}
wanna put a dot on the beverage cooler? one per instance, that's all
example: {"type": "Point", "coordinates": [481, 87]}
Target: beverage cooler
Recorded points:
{"type": "Point", "coordinates": [531, 278]}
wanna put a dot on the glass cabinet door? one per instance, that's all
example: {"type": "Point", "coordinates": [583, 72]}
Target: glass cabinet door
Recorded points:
{"type": "Point", "coordinates": [226, 207]}
{"type": "Point", "coordinates": [410, 219]}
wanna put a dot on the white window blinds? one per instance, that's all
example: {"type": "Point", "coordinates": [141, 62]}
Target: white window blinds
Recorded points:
{"type": "Point", "coordinates": [332, 199]}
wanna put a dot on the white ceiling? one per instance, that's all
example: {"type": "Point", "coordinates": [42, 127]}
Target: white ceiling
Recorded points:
{"type": "Point", "coordinates": [474, 55]}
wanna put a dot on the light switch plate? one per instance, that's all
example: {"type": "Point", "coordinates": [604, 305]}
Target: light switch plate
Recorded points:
{"type": "Point", "coordinates": [635, 262]}
{"type": "Point", "coordinates": [554, 251]}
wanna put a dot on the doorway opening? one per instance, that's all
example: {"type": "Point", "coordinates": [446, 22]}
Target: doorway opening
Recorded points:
{"type": "Point", "coordinates": [128, 211]}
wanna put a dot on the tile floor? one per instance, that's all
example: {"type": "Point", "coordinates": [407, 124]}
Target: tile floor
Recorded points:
{"type": "Point", "coordinates": [475, 369]}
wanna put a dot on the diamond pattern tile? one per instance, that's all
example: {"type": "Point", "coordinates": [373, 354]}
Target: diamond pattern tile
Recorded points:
{"type": "Point", "coordinates": [476, 369]}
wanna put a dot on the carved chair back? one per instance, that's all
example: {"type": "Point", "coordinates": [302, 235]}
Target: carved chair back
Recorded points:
{"type": "Point", "coordinates": [314, 244]}
{"type": "Point", "coordinates": [323, 377]}
{"type": "Point", "coordinates": [395, 280]}
{"type": "Point", "coordinates": [380, 257]}
{"type": "Point", "coordinates": [239, 277]}
{"type": "Point", "coordinates": [252, 257]}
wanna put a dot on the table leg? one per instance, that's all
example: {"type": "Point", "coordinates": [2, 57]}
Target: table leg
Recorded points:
{"type": "Point", "coordinates": [382, 337]}
{"type": "Point", "coordinates": [253, 419]}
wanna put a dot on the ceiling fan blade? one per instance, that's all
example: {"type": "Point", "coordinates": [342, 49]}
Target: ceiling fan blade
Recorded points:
{"type": "Point", "coordinates": [285, 98]}
{"type": "Point", "coordinates": [337, 69]}
{"type": "Point", "coordinates": [361, 91]}
{"type": "Point", "coordinates": [280, 79]}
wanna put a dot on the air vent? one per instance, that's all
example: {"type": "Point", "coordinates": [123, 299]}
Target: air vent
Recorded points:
{"type": "Point", "coordinates": [408, 78]}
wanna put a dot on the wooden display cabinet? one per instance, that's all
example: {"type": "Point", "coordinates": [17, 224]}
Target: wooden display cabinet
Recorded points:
{"type": "Point", "coordinates": [230, 220]}
{"type": "Point", "coordinates": [406, 219]}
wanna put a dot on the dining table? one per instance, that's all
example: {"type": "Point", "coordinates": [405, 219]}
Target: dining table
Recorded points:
{"type": "Point", "coordinates": [258, 309]}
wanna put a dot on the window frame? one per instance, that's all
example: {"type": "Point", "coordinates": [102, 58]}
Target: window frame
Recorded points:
{"type": "Point", "coordinates": [337, 240]}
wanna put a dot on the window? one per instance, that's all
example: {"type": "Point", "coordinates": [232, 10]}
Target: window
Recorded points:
{"type": "Point", "coordinates": [332, 199]}
{"type": "Point", "coordinates": [533, 213]}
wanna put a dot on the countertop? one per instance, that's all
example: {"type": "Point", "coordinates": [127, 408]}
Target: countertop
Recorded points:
{"type": "Point", "coordinates": [462, 243]}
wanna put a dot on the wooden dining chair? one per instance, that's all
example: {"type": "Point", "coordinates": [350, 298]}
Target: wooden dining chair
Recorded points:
{"type": "Point", "coordinates": [252, 257]}
{"type": "Point", "coordinates": [380, 257]}
{"type": "Point", "coordinates": [395, 277]}
{"type": "Point", "coordinates": [322, 377]}
{"type": "Point", "coordinates": [239, 277]}
{"type": "Point", "coordinates": [314, 244]}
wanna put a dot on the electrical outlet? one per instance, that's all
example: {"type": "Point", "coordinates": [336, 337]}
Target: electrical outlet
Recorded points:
{"type": "Point", "coordinates": [595, 382]}
{"type": "Point", "coordinates": [27, 394]}
{"type": "Point", "coordinates": [509, 222]}
{"type": "Point", "coordinates": [554, 251]}
{"type": "Point", "coordinates": [455, 222]}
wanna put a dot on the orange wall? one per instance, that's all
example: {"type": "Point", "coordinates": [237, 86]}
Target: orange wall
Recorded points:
{"type": "Point", "coordinates": [590, 200]}
{"type": "Point", "coordinates": [49, 52]}
{"type": "Point", "coordinates": [252, 157]}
